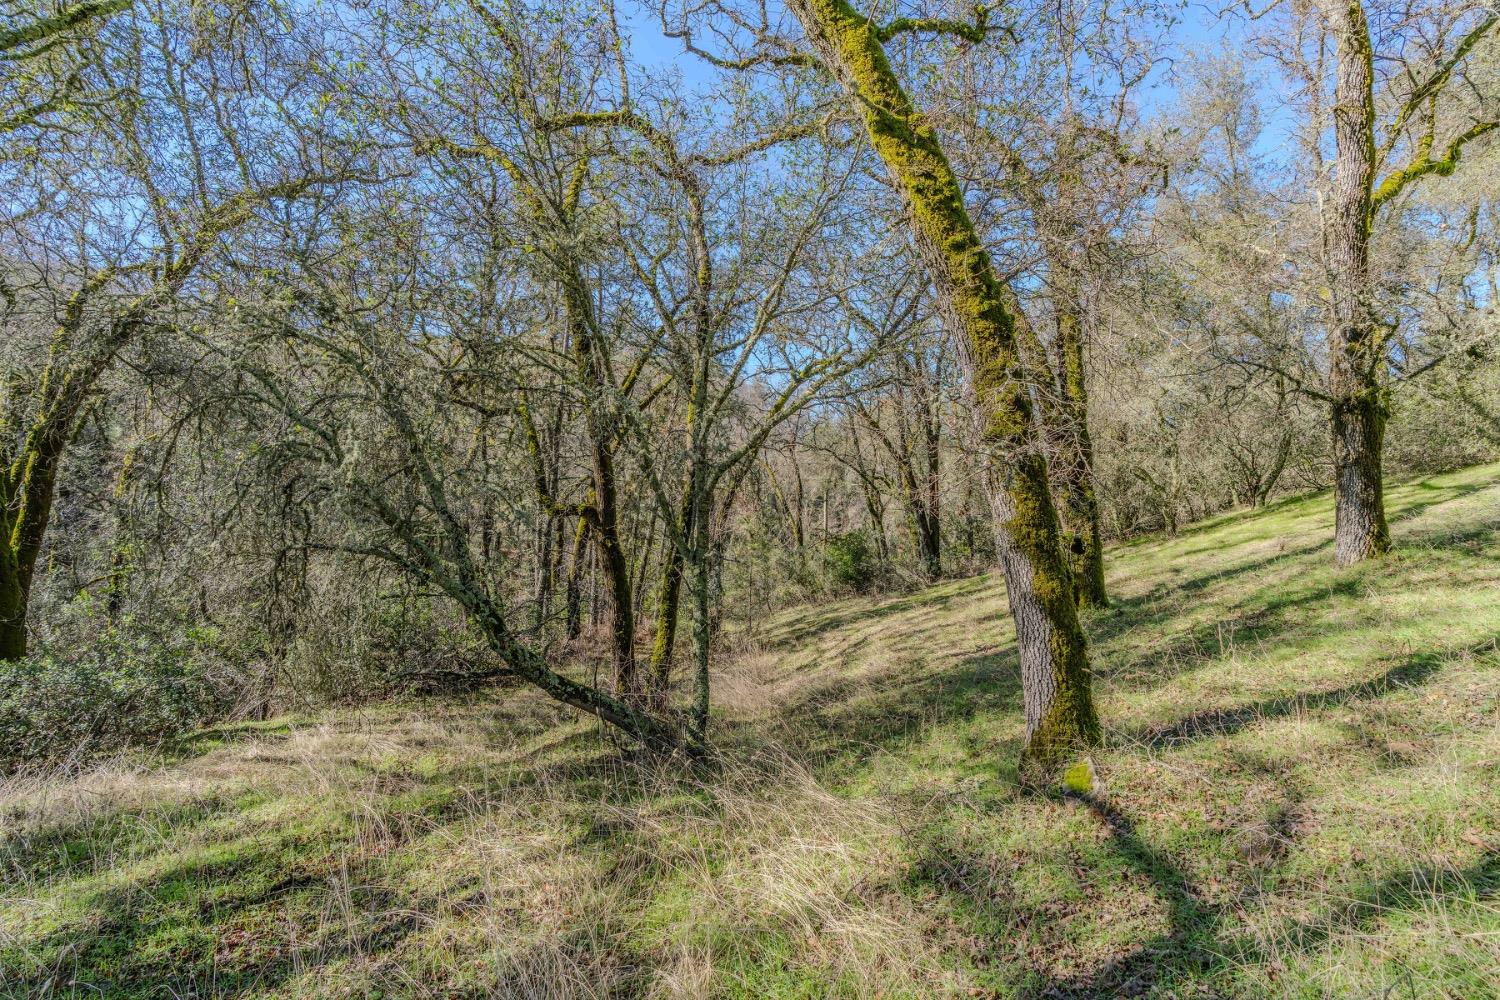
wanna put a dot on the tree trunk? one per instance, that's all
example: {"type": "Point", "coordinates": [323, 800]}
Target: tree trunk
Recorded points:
{"type": "Point", "coordinates": [604, 514]}
{"type": "Point", "coordinates": [544, 581]}
{"type": "Point", "coordinates": [12, 612]}
{"type": "Point", "coordinates": [616, 570]}
{"type": "Point", "coordinates": [1360, 530]}
{"type": "Point", "coordinates": [25, 529]}
{"type": "Point", "coordinates": [924, 531]}
{"type": "Point", "coordinates": [575, 581]}
{"type": "Point", "coordinates": [1080, 504]}
{"type": "Point", "coordinates": [1064, 422]}
{"type": "Point", "coordinates": [875, 514]}
{"type": "Point", "coordinates": [1355, 347]}
{"type": "Point", "coordinates": [1273, 474]}
{"type": "Point", "coordinates": [702, 623]}
{"type": "Point", "coordinates": [643, 561]}
{"type": "Point", "coordinates": [528, 665]}
{"type": "Point", "coordinates": [932, 434]}
{"type": "Point", "coordinates": [1059, 709]}
{"type": "Point", "coordinates": [668, 600]}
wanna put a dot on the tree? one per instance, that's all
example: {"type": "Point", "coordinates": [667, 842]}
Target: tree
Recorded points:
{"type": "Point", "coordinates": [1046, 126]}
{"type": "Point", "coordinates": [123, 274]}
{"type": "Point", "coordinates": [1402, 108]}
{"type": "Point", "coordinates": [717, 351]}
{"type": "Point", "coordinates": [1059, 709]}
{"type": "Point", "coordinates": [905, 419]}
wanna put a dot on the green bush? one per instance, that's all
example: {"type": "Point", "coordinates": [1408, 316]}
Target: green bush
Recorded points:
{"type": "Point", "coordinates": [66, 706]}
{"type": "Point", "coordinates": [851, 561]}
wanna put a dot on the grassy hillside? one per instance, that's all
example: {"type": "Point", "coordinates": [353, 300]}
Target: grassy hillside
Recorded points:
{"type": "Point", "coordinates": [1300, 799]}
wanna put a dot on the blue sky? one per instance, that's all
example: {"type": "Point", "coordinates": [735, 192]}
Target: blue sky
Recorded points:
{"type": "Point", "coordinates": [1199, 28]}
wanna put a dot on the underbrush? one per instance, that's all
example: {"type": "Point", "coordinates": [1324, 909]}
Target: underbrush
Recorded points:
{"type": "Point", "coordinates": [64, 706]}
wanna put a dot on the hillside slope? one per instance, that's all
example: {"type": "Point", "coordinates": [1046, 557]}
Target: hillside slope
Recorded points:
{"type": "Point", "coordinates": [1300, 799]}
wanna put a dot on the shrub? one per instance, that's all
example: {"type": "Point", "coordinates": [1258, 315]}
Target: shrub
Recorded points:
{"type": "Point", "coordinates": [851, 561]}
{"type": "Point", "coordinates": [63, 706]}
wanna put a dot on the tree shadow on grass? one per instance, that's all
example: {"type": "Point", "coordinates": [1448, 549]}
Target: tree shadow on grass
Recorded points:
{"type": "Point", "coordinates": [1433, 495]}
{"type": "Point", "coordinates": [1470, 539]}
{"type": "Point", "coordinates": [1184, 951]}
{"type": "Point", "coordinates": [227, 925]}
{"type": "Point", "coordinates": [1166, 601]}
{"type": "Point", "coordinates": [1408, 671]}
{"type": "Point", "coordinates": [807, 627]}
{"type": "Point", "coordinates": [883, 710]}
{"type": "Point", "coordinates": [251, 912]}
{"type": "Point", "coordinates": [68, 847]}
{"type": "Point", "coordinates": [1405, 891]}
{"type": "Point", "coordinates": [1258, 621]}
{"type": "Point", "coordinates": [1197, 946]}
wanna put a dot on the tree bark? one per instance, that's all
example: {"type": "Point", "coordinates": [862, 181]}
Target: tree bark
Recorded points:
{"type": "Point", "coordinates": [1355, 346]}
{"type": "Point", "coordinates": [702, 620]}
{"type": "Point", "coordinates": [603, 515]}
{"type": "Point", "coordinates": [669, 600]}
{"type": "Point", "coordinates": [604, 520]}
{"type": "Point", "coordinates": [1059, 709]}
{"type": "Point", "coordinates": [1080, 504]}
{"type": "Point", "coordinates": [574, 623]}
{"type": "Point", "coordinates": [1064, 422]}
{"type": "Point", "coordinates": [932, 438]}
{"type": "Point", "coordinates": [1360, 531]}
{"type": "Point", "coordinates": [30, 489]}
{"type": "Point", "coordinates": [12, 614]}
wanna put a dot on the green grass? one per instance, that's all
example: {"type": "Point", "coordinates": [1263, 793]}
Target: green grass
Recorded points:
{"type": "Point", "coordinates": [1299, 798]}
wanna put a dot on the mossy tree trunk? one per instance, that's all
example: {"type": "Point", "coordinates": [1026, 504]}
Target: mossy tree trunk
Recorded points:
{"type": "Point", "coordinates": [1075, 457]}
{"type": "Point", "coordinates": [1064, 420]}
{"type": "Point", "coordinates": [12, 611]}
{"type": "Point", "coordinates": [669, 601]}
{"type": "Point", "coordinates": [1059, 708]}
{"type": "Point", "coordinates": [28, 485]}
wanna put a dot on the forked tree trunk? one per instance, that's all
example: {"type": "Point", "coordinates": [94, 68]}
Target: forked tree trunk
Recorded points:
{"type": "Point", "coordinates": [616, 569]}
{"type": "Point", "coordinates": [1059, 708]}
{"type": "Point", "coordinates": [1064, 420]}
{"type": "Point", "coordinates": [1075, 455]}
{"type": "Point", "coordinates": [930, 538]}
{"type": "Point", "coordinates": [603, 516]}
